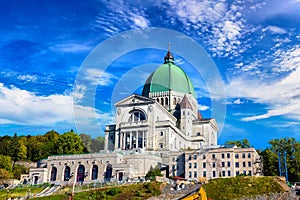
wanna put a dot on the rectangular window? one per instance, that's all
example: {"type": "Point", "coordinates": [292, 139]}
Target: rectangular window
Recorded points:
{"type": "Point", "coordinates": [249, 155]}
{"type": "Point", "coordinates": [195, 165]}
{"type": "Point", "coordinates": [161, 133]}
{"type": "Point", "coordinates": [204, 165]}
{"type": "Point", "coordinates": [237, 173]}
{"type": "Point", "coordinates": [244, 172]}
{"type": "Point", "coordinates": [228, 164]}
{"type": "Point", "coordinates": [213, 164]}
{"type": "Point", "coordinates": [249, 164]}
{"type": "Point", "coordinates": [214, 173]}
{"type": "Point", "coordinates": [195, 157]}
{"type": "Point", "coordinates": [236, 155]}
{"type": "Point", "coordinates": [223, 155]}
{"type": "Point", "coordinates": [190, 165]}
{"type": "Point", "coordinates": [237, 164]}
{"type": "Point", "coordinates": [161, 145]}
{"type": "Point", "coordinates": [244, 164]}
{"type": "Point", "coordinates": [228, 173]}
{"type": "Point", "coordinates": [244, 155]}
{"type": "Point", "coordinates": [204, 156]}
{"type": "Point", "coordinates": [195, 174]}
{"type": "Point", "coordinates": [190, 174]}
{"type": "Point", "coordinates": [223, 164]}
{"type": "Point", "coordinates": [250, 173]}
{"type": "Point", "coordinates": [228, 155]}
{"type": "Point", "coordinates": [223, 173]}
{"type": "Point", "coordinates": [190, 157]}
{"type": "Point", "coordinates": [204, 173]}
{"type": "Point", "coordinates": [213, 156]}
{"type": "Point", "coordinates": [198, 134]}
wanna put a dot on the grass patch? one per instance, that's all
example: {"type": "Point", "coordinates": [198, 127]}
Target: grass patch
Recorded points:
{"type": "Point", "coordinates": [135, 192]}
{"type": "Point", "coordinates": [240, 186]}
{"type": "Point", "coordinates": [18, 192]}
{"type": "Point", "coordinates": [54, 197]}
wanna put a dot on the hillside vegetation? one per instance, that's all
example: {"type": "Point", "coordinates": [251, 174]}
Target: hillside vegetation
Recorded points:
{"type": "Point", "coordinates": [240, 186]}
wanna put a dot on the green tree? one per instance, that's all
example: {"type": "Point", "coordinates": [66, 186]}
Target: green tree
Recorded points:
{"type": "Point", "coordinates": [153, 172]}
{"type": "Point", "coordinates": [17, 170]}
{"type": "Point", "coordinates": [4, 174]}
{"type": "Point", "coordinates": [244, 143]}
{"type": "Point", "coordinates": [278, 147]}
{"type": "Point", "coordinates": [6, 163]}
{"type": "Point", "coordinates": [97, 144]}
{"type": "Point", "coordinates": [69, 143]}
{"type": "Point", "coordinates": [86, 140]}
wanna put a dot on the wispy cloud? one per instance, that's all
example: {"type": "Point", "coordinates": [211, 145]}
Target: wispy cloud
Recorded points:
{"type": "Point", "coordinates": [98, 77]}
{"type": "Point", "coordinates": [281, 97]}
{"type": "Point", "coordinates": [222, 24]}
{"type": "Point", "coordinates": [27, 78]}
{"type": "Point", "coordinates": [71, 48]}
{"type": "Point", "coordinates": [274, 30]}
{"type": "Point", "coordinates": [121, 17]}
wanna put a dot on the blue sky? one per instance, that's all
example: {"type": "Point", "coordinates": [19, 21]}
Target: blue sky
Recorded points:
{"type": "Point", "coordinates": [46, 44]}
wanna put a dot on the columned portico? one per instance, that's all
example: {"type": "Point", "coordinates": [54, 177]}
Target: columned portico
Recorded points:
{"type": "Point", "coordinates": [132, 139]}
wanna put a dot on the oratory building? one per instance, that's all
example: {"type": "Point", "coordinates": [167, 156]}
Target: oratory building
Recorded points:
{"type": "Point", "coordinates": [162, 127]}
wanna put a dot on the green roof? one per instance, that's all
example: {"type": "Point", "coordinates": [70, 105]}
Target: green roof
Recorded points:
{"type": "Point", "coordinates": [168, 77]}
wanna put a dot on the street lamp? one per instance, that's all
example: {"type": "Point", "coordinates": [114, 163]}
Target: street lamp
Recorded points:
{"type": "Point", "coordinates": [28, 193]}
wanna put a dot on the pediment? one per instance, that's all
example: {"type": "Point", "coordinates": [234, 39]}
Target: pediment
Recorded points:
{"type": "Point", "coordinates": [134, 99]}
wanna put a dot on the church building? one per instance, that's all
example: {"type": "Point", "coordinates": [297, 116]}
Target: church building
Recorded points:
{"type": "Point", "coordinates": [161, 127]}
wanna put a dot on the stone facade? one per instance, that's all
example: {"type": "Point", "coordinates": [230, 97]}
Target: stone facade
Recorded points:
{"type": "Point", "coordinates": [222, 161]}
{"type": "Point", "coordinates": [162, 127]}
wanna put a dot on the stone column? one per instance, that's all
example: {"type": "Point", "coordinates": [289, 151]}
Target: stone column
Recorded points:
{"type": "Point", "coordinates": [137, 139]}
{"type": "Point", "coordinates": [143, 140]}
{"type": "Point", "coordinates": [130, 140]}
{"type": "Point", "coordinates": [124, 140]}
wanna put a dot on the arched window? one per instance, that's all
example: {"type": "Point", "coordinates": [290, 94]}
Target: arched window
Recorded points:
{"type": "Point", "coordinates": [94, 172]}
{"type": "Point", "coordinates": [157, 100]}
{"type": "Point", "coordinates": [67, 173]}
{"type": "Point", "coordinates": [162, 101]}
{"type": "Point", "coordinates": [53, 174]}
{"type": "Point", "coordinates": [80, 173]}
{"type": "Point", "coordinates": [136, 115]}
{"type": "Point", "coordinates": [167, 101]}
{"type": "Point", "coordinates": [108, 173]}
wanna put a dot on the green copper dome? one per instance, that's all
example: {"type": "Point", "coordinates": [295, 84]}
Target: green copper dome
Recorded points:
{"type": "Point", "coordinates": [168, 77]}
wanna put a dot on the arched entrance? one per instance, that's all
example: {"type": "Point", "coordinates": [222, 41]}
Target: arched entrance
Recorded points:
{"type": "Point", "coordinates": [108, 173]}
{"type": "Point", "coordinates": [67, 173]}
{"type": "Point", "coordinates": [80, 173]}
{"type": "Point", "coordinates": [53, 174]}
{"type": "Point", "coordinates": [94, 172]}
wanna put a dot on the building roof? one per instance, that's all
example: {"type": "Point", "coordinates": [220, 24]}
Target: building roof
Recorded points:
{"type": "Point", "coordinates": [185, 103]}
{"type": "Point", "coordinates": [168, 77]}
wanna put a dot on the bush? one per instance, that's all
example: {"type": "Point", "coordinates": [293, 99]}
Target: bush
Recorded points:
{"type": "Point", "coordinates": [113, 191]}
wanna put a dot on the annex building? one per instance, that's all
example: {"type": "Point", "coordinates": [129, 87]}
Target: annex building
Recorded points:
{"type": "Point", "coordinates": [161, 127]}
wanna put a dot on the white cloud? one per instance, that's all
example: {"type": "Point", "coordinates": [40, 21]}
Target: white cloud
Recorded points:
{"type": "Point", "coordinates": [71, 48]}
{"type": "Point", "coordinates": [287, 60]}
{"type": "Point", "coordinates": [238, 101]}
{"type": "Point", "coordinates": [98, 77]}
{"type": "Point", "coordinates": [140, 21]}
{"type": "Point", "coordinates": [222, 24]}
{"type": "Point", "coordinates": [274, 30]}
{"type": "Point", "coordinates": [27, 78]}
{"type": "Point", "coordinates": [282, 97]}
{"type": "Point", "coordinates": [203, 107]}
{"type": "Point", "coordinates": [24, 107]}
{"type": "Point", "coordinates": [27, 108]}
